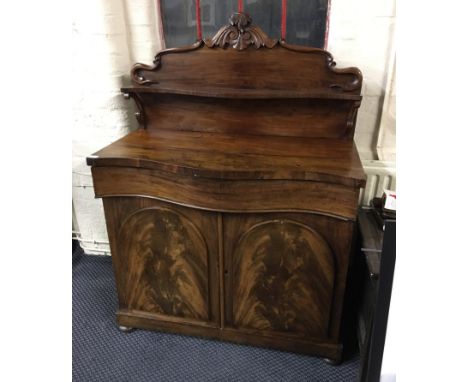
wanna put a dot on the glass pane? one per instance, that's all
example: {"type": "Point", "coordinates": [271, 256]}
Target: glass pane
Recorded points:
{"type": "Point", "coordinates": [266, 14]}
{"type": "Point", "coordinates": [215, 14]}
{"type": "Point", "coordinates": [306, 22]}
{"type": "Point", "coordinates": [179, 22]}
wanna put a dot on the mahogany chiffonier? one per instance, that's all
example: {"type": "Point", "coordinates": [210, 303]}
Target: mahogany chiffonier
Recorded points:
{"type": "Point", "coordinates": [231, 210]}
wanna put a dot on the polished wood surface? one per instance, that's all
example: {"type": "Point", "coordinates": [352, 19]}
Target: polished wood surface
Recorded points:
{"type": "Point", "coordinates": [261, 69]}
{"type": "Point", "coordinates": [320, 238]}
{"type": "Point", "coordinates": [314, 118]}
{"type": "Point", "coordinates": [240, 81]}
{"type": "Point", "coordinates": [272, 288]}
{"type": "Point", "coordinates": [296, 344]}
{"type": "Point", "coordinates": [317, 65]}
{"type": "Point", "coordinates": [239, 93]}
{"type": "Point", "coordinates": [228, 195]}
{"type": "Point", "coordinates": [231, 210]}
{"type": "Point", "coordinates": [229, 156]}
{"type": "Point", "coordinates": [167, 264]}
{"type": "Point", "coordinates": [163, 260]}
{"type": "Point", "coordinates": [254, 106]}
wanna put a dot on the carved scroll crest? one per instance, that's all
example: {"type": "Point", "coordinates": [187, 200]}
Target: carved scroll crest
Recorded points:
{"type": "Point", "coordinates": [240, 34]}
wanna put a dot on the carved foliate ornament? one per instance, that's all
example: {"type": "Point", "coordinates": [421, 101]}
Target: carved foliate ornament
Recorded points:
{"type": "Point", "coordinates": [240, 34]}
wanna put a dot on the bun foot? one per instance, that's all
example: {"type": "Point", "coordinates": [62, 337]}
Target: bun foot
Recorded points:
{"type": "Point", "coordinates": [126, 329]}
{"type": "Point", "coordinates": [332, 362]}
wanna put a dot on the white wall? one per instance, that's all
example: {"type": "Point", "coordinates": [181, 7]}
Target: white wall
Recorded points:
{"type": "Point", "coordinates": [109, 36]}
{"type": "Point", "coordinates": [361, 34]}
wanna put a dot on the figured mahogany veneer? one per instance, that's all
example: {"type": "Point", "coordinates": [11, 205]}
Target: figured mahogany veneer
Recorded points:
{"type": "Point", "coordinates": [231, 211]}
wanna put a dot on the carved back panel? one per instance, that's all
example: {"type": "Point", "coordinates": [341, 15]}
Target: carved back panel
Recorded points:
{"type": "Point", "coordinates": [281, 68]}
{"type": "Point", "coordinates": [225, 84]}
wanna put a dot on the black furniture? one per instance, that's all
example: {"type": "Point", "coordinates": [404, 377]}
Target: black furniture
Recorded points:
{"type": "Point", "coordinates": [377, 263]}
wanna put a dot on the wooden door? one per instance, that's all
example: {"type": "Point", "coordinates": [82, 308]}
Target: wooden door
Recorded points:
{"type": "Point", "coordinates": [165, 257]}
{"type": "Point", "coordinates": [280, 276]}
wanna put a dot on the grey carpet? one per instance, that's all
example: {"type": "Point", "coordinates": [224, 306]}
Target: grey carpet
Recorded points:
{"type": "Point", "coordinates": [102, 353]}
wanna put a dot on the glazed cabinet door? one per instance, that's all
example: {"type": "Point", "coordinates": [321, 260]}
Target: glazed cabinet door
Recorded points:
{"type": "Point", "coordinates": [283, 274]}
{"type": "Point", "coordinates": [165, 259]}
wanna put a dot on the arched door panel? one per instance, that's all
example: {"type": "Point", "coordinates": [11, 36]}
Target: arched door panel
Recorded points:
{"type": "Point", "coordinates": [283, 276]}
{"type": "Point", "coordinates": [165, 259]}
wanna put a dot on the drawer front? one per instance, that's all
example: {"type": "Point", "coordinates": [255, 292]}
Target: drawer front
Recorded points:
{"type": "Point", "coordinates": [285, 274]}
{"type": "Point", "coordinates": [228, 195]}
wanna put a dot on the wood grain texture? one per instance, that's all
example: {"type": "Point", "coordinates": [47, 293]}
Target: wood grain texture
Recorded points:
{"type": "Point", "coordinates": [227, 195]}
{"type": "Point", "coordinates": [236, 156]}
{"type": "Point", "coordinates": [282, 66]}
{"type": "Point", "coordinates": [167, 264]}
{"type": "Point", "coordinates": [269, 69]}
{"type": "Point", "coordinates": [272, 285]}
{"type": "Point", "coordinates": [164, 261]}
{"type": "Point", "coordinates": [301, 345]}
{"type": "Point", "coordinates": [309, 97]}
{"type": "Point", "coordinates": [306, 239]}
{"type": "Point", "coordinates": [231, 213]}
{"type": "Point", "coordinates": [220, 93]}
{"type": "Point", "coordinates": [313, 118]}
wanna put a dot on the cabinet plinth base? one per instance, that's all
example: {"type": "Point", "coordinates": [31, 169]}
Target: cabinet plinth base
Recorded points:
{"type": "Point", "coordinates": [148, 321]}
